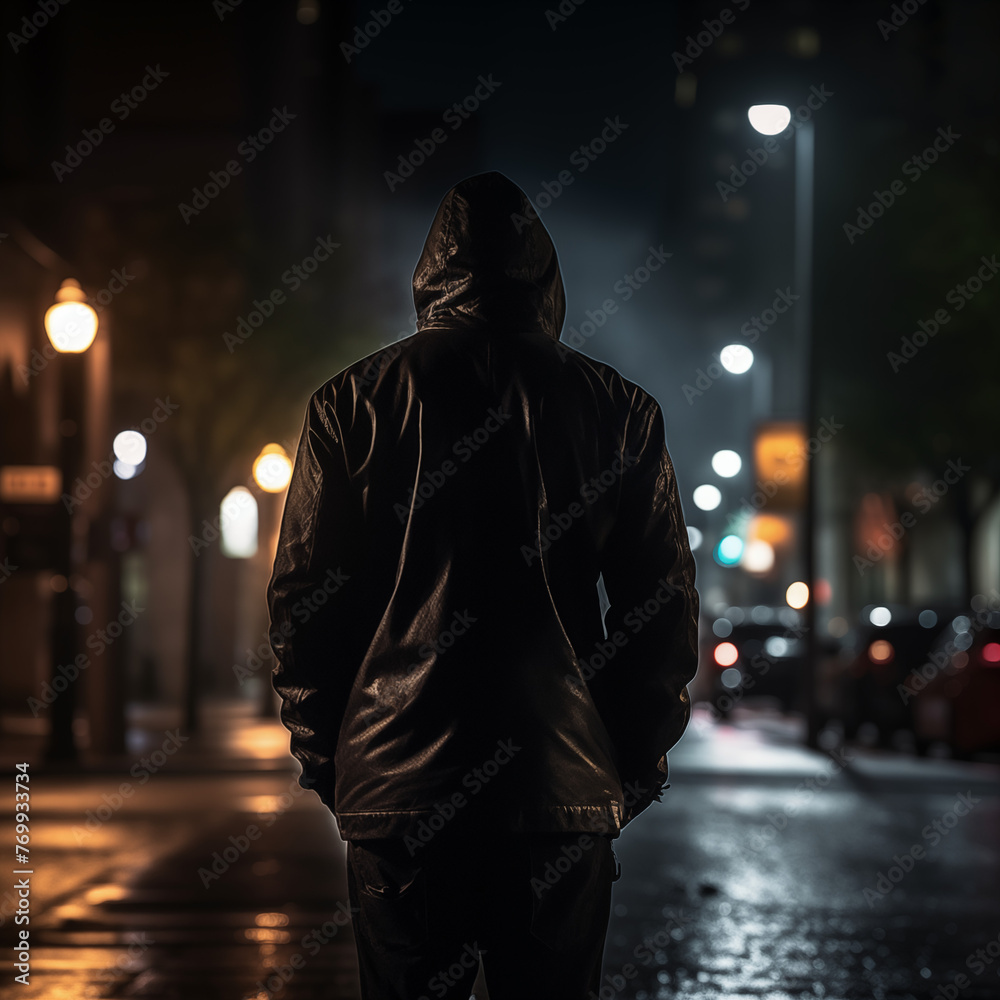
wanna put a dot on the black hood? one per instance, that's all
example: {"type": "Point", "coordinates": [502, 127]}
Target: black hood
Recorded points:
{"type": "Point", "coordinates": [488, 263]}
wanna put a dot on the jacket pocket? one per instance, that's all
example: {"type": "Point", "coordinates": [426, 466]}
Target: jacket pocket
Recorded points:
{"type": "Point", "coordinates": [392, 896]}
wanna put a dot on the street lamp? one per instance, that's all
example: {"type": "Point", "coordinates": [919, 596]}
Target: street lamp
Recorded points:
{"type": "Point", "coordinates": [764, 118]}
{"type": "Point", "coordinates": [71, 325]}
{"type": "Point", "coordinates": [272, 468]}
{"type": "Point", "coordinates": [769, 119]}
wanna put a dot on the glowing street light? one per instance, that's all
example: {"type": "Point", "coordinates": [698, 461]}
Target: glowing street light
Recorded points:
{"type": "Point", "coordinates": [880, 616]}
{"type": "Point", "coordinates": [707, 497]}
{"type": "Point", "coordinates": [726, 463]}
{"type": "Point", "coordinates": [272, 468]}
{"type": "Point", "coordinates": [736, 358]}
{"type": "Point", "coordinates": [238, 519]}
{"type": "Point", "coordinates": [71, 324]}
{"type": "Point", "coordinates": [130, 447]}
{"type": "Point", "coordinates": [769, 119]}
{"type": "Point", "coordinates": [797, 595]}
{"type": "Point", "coordinates": [758, 557]}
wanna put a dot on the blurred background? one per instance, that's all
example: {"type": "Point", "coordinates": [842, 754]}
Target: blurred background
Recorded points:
{"type": "Point", "coordinates": [781, 219]}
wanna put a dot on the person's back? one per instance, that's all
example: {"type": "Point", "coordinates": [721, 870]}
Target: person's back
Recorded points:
{"type": "Point", "coordinates": [467, 487]}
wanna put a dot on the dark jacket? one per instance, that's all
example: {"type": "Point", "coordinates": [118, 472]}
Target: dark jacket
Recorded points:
{"type": "Point", "coordinates": [435, 613]}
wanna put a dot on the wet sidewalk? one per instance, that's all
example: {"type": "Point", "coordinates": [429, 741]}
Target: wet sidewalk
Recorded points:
{"type": "Point", "coordinates": [768, 871]}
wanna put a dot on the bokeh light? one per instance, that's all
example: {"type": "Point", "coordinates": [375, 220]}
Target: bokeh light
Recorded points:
{"type": "Point", "coordinates": [797, 595]}
{"type": "Point", "coordinates": [880, 616]}
{"type": "Point", "coordinates": [726, 654]}
{"type": "Point", "coordinates": [769, 119]}
{"type": "Point", "coordinates": [707, 497]}
{"type": "Point", "coordinates": [726, 463]}
{"type": "Point", "coordinates": [736, 358]}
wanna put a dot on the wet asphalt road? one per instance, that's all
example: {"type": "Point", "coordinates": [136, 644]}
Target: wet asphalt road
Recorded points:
{"type": "Point", "coordinates": [768, 872]}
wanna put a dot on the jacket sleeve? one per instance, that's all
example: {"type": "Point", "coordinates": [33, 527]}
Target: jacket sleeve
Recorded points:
{"type": "Point", "coordinates": [309, 593]}
{"type": "Point", "coordinates": [649, 576]}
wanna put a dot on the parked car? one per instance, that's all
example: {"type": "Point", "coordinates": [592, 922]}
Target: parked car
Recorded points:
{"type": "Point", "coordinates": [955, 692]}
{"type": "Point", "coordinates": [749, 655]}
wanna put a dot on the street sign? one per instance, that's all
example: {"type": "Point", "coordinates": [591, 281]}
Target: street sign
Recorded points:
{"type": "Point", "coordinates": [30, 483]}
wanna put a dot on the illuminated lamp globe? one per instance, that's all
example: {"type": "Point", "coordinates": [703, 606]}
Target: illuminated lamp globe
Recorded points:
{"type": "Point", "coordinates": [71, 323]}
{"type": "Point", "coordinates": [272, 468]}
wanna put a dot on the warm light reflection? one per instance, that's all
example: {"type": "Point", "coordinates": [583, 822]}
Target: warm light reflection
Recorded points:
{"type": "Point", "coordinates": [266, 934]}
{"type": "Point", "coordinates": [104, 893]}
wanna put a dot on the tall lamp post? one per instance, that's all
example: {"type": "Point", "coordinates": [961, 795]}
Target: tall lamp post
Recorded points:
{"type": "Point", "coordinates": [770, 119]}
{"type": "Point", "coordinates": [272, 471]}
{"type": "Point", "coordinates": [71, 325]}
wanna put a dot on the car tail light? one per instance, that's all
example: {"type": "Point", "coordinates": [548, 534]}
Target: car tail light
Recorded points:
{"type": "Point", "coordinates": [881, 651]}
{"type": "Point", "coordinates": [991, 654]}
{"type": "Point", "coordinates": [726, 654]}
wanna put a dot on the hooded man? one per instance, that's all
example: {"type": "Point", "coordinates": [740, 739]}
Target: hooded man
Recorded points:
{"type": "Point", "coordinates": [480, 730]}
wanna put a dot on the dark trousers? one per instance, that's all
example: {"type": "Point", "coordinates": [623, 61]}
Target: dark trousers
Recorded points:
{"type": "Point", "coordinates": [535, 905]}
